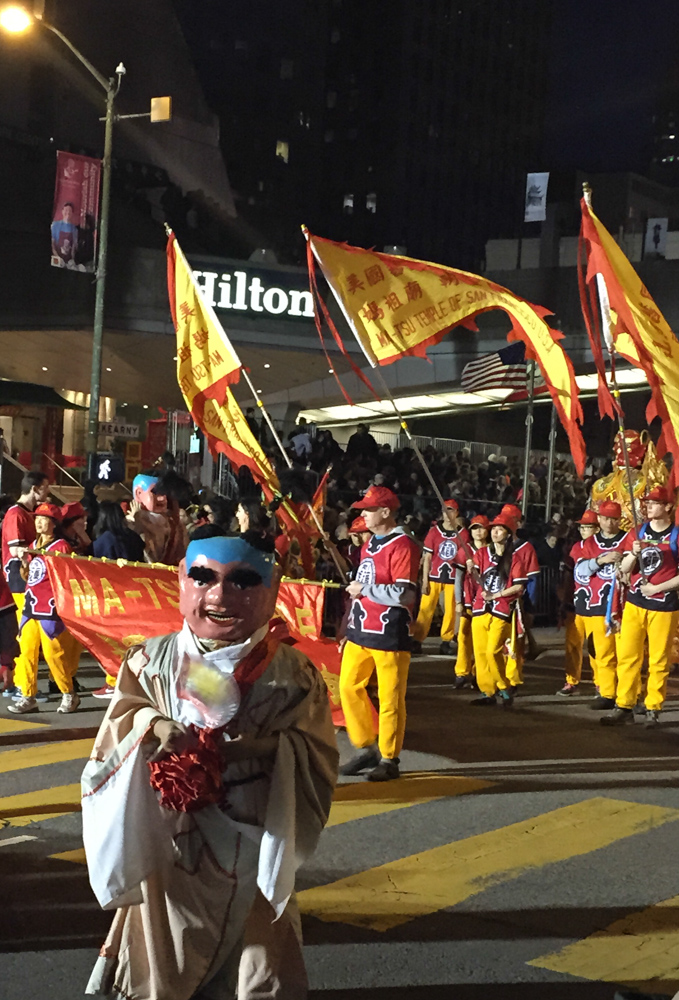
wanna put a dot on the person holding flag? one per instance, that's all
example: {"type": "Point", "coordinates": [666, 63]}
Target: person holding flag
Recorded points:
{"type": "Point", "coordinates": [651, 612]}
{"type": "Point", "coordinates": [446, 550]}
{"type": "Point", "coordinates": [522, 621]}
{"type": "Point", "coordinates": [383, 595]}
{"type": "Point", "coordinates": [503, 578]}
{"type": "Point", "coordinates": [596, 559]}
{"type": "Point", "coordinates": [574, 623]}
{"type": "Point", "coordinates": [465, 590]}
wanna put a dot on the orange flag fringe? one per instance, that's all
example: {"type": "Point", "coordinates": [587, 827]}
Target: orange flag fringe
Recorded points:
{"type": "Point", "coordinates": [639, 330]}
{"type": "Point", "coordinates": [207, 366]}
{"type": "Point", "coordinates": [397, 306]}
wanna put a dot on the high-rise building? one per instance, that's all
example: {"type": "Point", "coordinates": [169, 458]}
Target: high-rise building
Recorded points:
{"type": "Point", "coordinates": [387, 124]}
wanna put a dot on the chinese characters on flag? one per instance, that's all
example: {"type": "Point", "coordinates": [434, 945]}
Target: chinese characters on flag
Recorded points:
{"type": "Point", "coordinates": [397, 306]}
{"type": "Point", "coordinates": [207, 366]}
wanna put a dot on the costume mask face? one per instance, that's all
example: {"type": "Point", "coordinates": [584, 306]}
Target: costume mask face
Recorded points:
{"type": "Point", "coordinates": [227, 589]}
{"type": "Point", "coordinates": [142, 489]}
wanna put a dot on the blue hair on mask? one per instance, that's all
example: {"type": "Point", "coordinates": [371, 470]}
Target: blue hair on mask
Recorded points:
{"type": "Point", "coordinates": [146, 482]}
{"type": "Point", "coordinates": [228, 549]}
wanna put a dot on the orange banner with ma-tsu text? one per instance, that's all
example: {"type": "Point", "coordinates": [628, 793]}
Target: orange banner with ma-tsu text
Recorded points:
{"type": "Point", "coordinates": [111, 605]}
{"type": "Point", "coordinates": [397, 306]}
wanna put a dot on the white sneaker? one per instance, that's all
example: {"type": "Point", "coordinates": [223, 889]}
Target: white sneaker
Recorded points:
{"type": "Point", "coordinates": [22, 705]}
{"type": "Point", "coordinates": [69, 703]}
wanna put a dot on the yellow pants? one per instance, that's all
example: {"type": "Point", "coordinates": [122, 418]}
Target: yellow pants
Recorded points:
{"type": "Point", "coordinates": [465, 649]}
{"type": "Point", "coordinates": [428, 607]}
{"type": "Point", "coordinates": [61, 655]}
{"type": "Point", "coordinates": [637, 625]}
{"type": "Point", "coordinates": [605, 664]}
{"type": "Point", "coordinates": [489, 635]}
{"type": "Point", "coordinates": [358, 663]}
{"type": "Point", "coordinates": [574, 641]}
{"type": "Point", "coordinates": [515, 667]}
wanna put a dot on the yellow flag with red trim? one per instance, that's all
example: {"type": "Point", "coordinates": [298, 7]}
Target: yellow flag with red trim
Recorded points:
{"type": "Point", "coordinates": [640, 332]}
{"type": "Point", "coordinates": [398, 306]}
{"type": "Point", "coordinates": [207, 366]}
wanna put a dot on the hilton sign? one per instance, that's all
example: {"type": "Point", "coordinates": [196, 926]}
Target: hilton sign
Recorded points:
{"type": "Point", "coordinates": [257, 292]}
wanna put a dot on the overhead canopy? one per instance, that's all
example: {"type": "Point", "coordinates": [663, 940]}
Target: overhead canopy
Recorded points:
{"type": "Point", "coordinates": [32, 394]}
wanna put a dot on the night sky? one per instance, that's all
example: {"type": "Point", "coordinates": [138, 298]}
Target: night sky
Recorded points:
{"type": "Point", "coordinates": [607, 61]}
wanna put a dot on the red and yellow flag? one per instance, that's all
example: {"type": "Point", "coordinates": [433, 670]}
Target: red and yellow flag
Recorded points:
{"type": "Point", "coordinates": [397, 306]}
{"type": "Point", "coordinates": [639, 330]}
{"type": "Point", "coordinates": [207, 365]}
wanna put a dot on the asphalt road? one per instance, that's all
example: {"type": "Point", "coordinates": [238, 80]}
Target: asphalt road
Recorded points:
{"type": "Point", "coordinates": [524, 854]}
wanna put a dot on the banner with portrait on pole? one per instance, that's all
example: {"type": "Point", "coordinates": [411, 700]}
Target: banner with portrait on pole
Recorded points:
{"type": "Point", "coordinates": [75, 215]}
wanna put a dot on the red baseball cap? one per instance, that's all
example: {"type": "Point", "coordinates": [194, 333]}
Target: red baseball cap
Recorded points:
{"type": "Point", "coordinates": [378, 496]}
{"type": "Point", "coordinates": [660, 494]}
{"type": "Point", "coordinates": [48, 510]}
{"type": "Point", "coordinates": [72, 510]}
{"type": "Point", "coordinates": [357, 526]}
{"type": "Point", "coordinates": [513, 511]}
{"type": "Point", "coordinates": [480, 519]}
{"type": "Point", "coordinates": [589, 517]}
{"type": "Point", "coordinates": [609, 508]}
{"type": "Point", "coordinates": [503, 520]}
{"type": "Point", "coordinates": [452, 504]}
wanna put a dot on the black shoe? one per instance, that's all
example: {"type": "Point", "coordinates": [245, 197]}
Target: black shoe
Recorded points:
{"type": "Point", "coordinates": [53, 687]}
{"type": "Point", "coordinates": [415, 647]}
{"type": "Point", "coordinates": [507, 697]}
{"type": "Point", "coordinates": [639, 708]}
{"type": "Point", "coordinates": [463, 681]}
{"type": "Point", "coordinates": [386, 770]}
{"type": "Point", "coordinates": [446, 649]}
{"type": "Point", "coordinates": [601, 704]}
{"type": "Point", "coordinates": [652, 719]}
{"type": "Point", "coordinates": [369, 757]}
{"type": "Point", "coordinates": [77, 686]}
{"type": "Point", "coordinates": [485, 702]}
{"type": "Point", "coordinates": [618, 717]}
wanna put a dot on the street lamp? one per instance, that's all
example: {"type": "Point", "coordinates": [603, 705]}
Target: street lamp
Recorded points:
{"type": "Point", "coordinates": [17, 19]}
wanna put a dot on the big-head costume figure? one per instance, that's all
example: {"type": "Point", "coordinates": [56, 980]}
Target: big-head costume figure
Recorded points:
{"type": "Point", "coordinates": [156, 519]}
{"type": "Point", "coordinates": [210, 782]}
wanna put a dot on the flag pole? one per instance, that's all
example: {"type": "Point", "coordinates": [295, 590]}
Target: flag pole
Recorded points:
{"type": "Point", "coordinates": [550, 466]}
{"type": "Point", "coordinates": [605, 310]}
{"type": "Point", "coordinates": [529, 434]}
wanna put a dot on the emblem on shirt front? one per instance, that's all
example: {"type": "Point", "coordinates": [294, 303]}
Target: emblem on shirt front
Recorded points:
{"type": "Point", "coordinates": [580, 574]}
{"type": "Point", "coordinates": [37, 572]}
{"type": "Point", "coordinates": [650, 560]}
{"type": "Point", "coordinates": [447, 550]}
{"type": "Point", "coordinates": [366, 571]}
{"type": "Point", "coordinates": [491, 581]}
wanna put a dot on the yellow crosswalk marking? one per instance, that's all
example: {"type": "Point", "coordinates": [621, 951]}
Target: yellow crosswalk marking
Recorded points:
{"type": "Point", "coordinates": [17, 725]}
{"type": "Point", "coordinates": [641, 951]}
{"type": "Point", "coordinates": [52, 753]}
{"type": "Point", "coordinates": [411, 887]}
{"type": "Point", "coordinates": [77, 856]}
{"type": "Point", "coordinates": [31, 807]}
{"type": "Point", "coordinates": [362, 799]}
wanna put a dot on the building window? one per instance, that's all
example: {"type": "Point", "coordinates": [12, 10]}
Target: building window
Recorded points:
{"type": "Point", "coordinates": [240, 45]}
{"type": "Point", "coordinates": [331, 99]}
{"type": "Point", "coordinates": [287, 69]}
{"type": "Point", "coordinates": [283, 150]}
{"type": "Point", "coordinates": [371, 202]}
{"type": "Point", "coordinates": [329, 135]}
{"type": "Point", "coordinates": [348, 204]}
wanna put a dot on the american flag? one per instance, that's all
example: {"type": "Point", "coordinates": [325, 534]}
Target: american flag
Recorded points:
{"type": "Point", "coordinates": [504, 369]}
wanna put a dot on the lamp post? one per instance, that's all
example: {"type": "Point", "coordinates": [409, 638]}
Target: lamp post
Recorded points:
{"type": "Point", "coordinates": [16, 19]}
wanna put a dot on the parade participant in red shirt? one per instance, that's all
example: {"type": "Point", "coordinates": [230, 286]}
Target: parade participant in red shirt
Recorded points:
{"type": "Point", "coordinates": [446, 550]}
{"type": "Point", "coordinates": [595, 560]}
{"type": "Point", "coordinates": [378, 638]}
{"type": "Point", "coordinates": [18, 531]}
{"type": "Point", "coordinates": [574, 624]}
{"type": "Point", "coordinates": [651, 611]}
{"type": "Point", "coordinates": [465, 589]}
{"type": "Point", "coordinates": [526, 553]}
{"type": "Point", "coordinates": [503, 576]}
{"type": "Point", "coordinates": [41, 627]}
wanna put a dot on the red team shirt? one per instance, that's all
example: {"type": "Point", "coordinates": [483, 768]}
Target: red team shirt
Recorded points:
{"type": "Point", "coordinates": [39, 594]}
{"type": "Point", "coordinates": [449, 550]}
{"type": "Point", "coordinates": [18, 528]}
{"type": "Point", "coordinates": [392, 558]}
{"type": "Point", "coordinates": [523, 565]}
{"type": "Point", "coordinates": [659, 565]}
{"type": "Point", "coordinates": [590, 596]}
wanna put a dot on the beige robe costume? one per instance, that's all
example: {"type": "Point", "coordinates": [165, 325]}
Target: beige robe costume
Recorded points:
{"type": "Point", "coordinates": [184, 884]}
